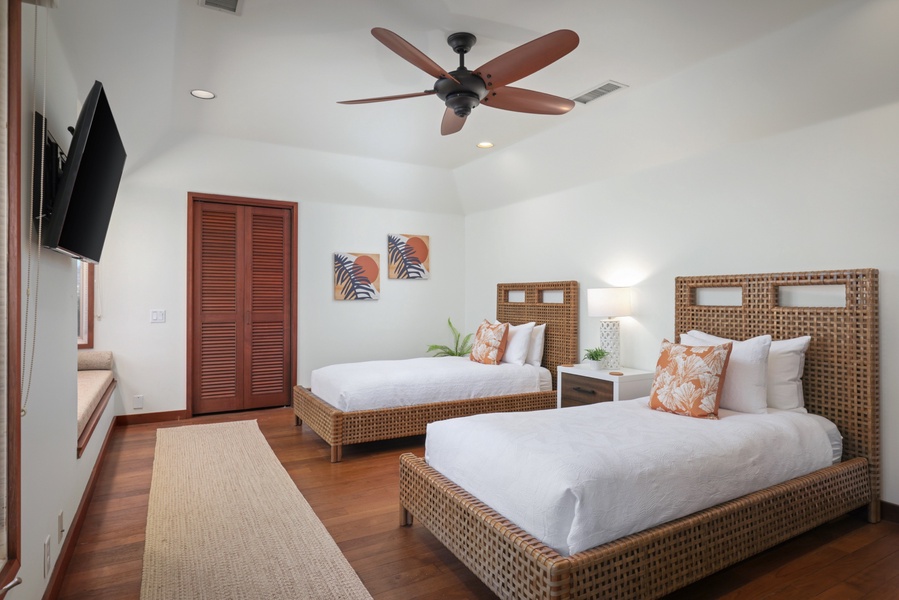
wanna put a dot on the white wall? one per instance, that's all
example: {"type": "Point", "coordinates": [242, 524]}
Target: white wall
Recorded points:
{"type": "Point", "coordinates": [144, 264]}
{"type": "Point", "coordinates": [808, 190]}
{"type": "Point", "coordinates": [53, 479]}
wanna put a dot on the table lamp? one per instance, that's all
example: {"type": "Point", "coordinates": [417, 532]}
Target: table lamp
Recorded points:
{"type": "Point", "coordinates": [609, 303]}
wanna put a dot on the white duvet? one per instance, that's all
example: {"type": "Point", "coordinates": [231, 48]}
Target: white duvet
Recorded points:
{"type": "Point", "coordinates": [391, 383]}
{"type": "Point", "coordinates": [579, 477]}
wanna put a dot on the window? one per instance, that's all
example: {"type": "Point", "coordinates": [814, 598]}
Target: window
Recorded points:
{"type": "Point", "coordinates": [85, 289]}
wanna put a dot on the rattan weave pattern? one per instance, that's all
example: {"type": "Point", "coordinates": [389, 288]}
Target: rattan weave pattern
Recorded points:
{"type": "Point", "coordinates": [842, 369]}
{"type": "Point", "coordinates": [338, 428]}
{"type": "Point", "coordinates": [561, 339]}
{"type": "Point", "coordinates": [657, 561]}
{"type": "Point", "coordinates": [648, 564]}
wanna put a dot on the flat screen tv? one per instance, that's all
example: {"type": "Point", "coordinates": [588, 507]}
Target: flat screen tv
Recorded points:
{"type": "Point", "coordinates": [76, 216]}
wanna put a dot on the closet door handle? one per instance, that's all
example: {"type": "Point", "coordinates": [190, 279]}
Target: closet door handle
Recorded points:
{"type": "Point", "coordinates": [10, 586]}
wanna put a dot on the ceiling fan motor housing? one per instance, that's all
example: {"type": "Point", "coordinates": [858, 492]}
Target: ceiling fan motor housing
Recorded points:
{"type": "Point", "coordinates": [464, 95]}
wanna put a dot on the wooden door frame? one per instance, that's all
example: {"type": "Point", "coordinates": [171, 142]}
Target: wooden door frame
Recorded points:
{"type": "Point", "coordinates": [14, 294]}
{"type": "Point", "coordinates": [193, 198]}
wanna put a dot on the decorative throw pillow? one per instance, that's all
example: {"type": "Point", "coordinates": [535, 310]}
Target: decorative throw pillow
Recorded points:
{"type": "Point", "coordinates": [518, 342]}
{"type": "Point", "coordinates": [747, 372]}
{"type": "Point", "coordinates": [535, 351]}
{"type": "Point", "coordinates": [689, 379]}
{"type": "Point", "coordinates": [490, 343]}
{"type": "Point", "coordinates": [786, 363]}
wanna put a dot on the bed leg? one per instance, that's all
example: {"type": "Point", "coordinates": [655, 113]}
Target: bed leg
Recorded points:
{"type": "Point", "coordinates": [297, 421]}
{"type": "Point", "coordinates": [405, 517]}
{"type": "Point", "coordinates": [874, 512]}
{"type": "Point", "coordinates": [336, 453]}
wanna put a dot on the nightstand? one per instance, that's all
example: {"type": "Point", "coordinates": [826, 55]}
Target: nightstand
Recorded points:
{"type": "Point", "coordinates": [578, 386]}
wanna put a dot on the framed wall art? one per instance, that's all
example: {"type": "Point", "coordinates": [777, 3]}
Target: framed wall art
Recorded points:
{"type": "Point", "coordinates": [357, 276]}
{"type": "Point", "coordinates": [408, 256]}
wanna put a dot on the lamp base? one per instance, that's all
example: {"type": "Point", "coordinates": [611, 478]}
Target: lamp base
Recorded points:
{"type": "Point", "coordinates": [609, 340]}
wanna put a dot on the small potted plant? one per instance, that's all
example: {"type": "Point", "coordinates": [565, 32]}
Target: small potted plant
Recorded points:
{"type": "Point", "coordinates": [594, 358]}
{"type": "Point", "coordinates": [461, 346]}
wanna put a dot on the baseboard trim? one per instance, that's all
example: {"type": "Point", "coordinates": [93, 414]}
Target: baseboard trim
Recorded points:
{"type": "Point", "coordinates": [889, 512]}
{"type": "Point", "coordinates": [68, 546]}
{"type": "Point", "coordinates": [156, 417]}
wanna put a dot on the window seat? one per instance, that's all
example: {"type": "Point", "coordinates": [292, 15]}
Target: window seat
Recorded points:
{"type": "Point", "coordinates": [96, 384]}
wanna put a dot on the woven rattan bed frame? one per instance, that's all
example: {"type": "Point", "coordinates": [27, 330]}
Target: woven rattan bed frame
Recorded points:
{"type": "Point", "coordinates": [339, 428]}
{"type": "Point", "coordinates": [841, 382]}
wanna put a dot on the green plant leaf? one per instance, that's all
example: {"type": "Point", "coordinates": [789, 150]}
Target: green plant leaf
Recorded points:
{"type": "Point", "coordinates": [595, 354]}
{"type": "Point", "coordinates": [460, 348]}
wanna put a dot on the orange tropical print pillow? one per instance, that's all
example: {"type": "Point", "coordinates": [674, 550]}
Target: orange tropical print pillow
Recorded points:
{"type": "Point", "coordinates": [689, 379]}
{"type": "Point", "coordinates": [490, 343]}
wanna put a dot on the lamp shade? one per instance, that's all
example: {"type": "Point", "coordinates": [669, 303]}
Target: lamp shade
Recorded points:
{"type": "Point", "coordinates": [609, 302]}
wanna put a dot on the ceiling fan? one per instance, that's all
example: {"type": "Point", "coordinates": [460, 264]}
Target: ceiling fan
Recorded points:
{"type": "Point", "coordinates": [462, 89]}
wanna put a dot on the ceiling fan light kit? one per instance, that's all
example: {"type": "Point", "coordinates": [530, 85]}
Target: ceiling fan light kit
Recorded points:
{"type": "Point", "coordinates": [462, 90]}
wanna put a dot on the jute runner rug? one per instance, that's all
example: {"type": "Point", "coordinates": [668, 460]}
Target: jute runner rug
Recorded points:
{"type": "Point", "coordinates": [226, 522]}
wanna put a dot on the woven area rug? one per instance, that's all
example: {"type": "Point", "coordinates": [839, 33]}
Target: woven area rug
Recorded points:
{"type": "Point", "coordinates": [226, 522]}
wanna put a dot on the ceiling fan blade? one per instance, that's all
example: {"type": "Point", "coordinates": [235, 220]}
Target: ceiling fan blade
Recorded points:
{"type": "Point", "coordinates": [451, 123]}
{"type": "Point", "coordinates": [528, 58]}
{"type": "Point", "coordinates": [385, 98]}
{"type": "Point", "coordinates": [410, 53]}
{"type": "Point", "coordinates": [527, 101]}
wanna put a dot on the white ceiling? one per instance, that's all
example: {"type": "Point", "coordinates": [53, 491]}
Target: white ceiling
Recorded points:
{"type": "Point", "coordinates": [281, 66]}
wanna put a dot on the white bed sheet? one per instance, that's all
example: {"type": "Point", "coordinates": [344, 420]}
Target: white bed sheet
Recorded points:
{"type": "Point", "coordinates": [391, 383]}
{"type": "Point", "coordinates": [578, 477]}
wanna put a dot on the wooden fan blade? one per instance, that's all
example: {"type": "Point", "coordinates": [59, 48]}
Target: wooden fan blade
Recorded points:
{"type": "Point", "coordinates": [409, 52]}
{"type": "Point", "coordinates": [527, 101]}
{"type": "Point", "coordinates": [385, 98]}
{"type": "Point", "coordinates": [528, 58]}
{"type": "Point", "coordinates": [451, 123]}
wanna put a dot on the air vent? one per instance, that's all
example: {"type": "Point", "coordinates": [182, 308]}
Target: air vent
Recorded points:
{"type": "Point", "coordinates": [606, 88]}
{"type": "Point", "coordinates": [229, 6]}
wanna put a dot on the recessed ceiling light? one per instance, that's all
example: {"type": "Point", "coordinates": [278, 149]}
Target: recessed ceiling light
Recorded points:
{"type": "Point", "coordinates": [202, 94]}
{"type": "Point", "coordinates": [485, 145]}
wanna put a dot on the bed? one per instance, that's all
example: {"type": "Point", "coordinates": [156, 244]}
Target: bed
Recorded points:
{"type": "Point", "coordinates": [554, 303]}
{"type": "Point", "coordinates": [840, 382]}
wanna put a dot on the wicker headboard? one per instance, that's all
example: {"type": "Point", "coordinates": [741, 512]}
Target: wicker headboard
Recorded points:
{"type": "Point", "coordinates": [561, 318]}
{"type": "Point", "coordinates": [841, 380]}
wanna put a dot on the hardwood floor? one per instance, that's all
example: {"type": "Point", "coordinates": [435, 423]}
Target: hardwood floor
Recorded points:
{"type": "Point", "coordinates": [357, 501]}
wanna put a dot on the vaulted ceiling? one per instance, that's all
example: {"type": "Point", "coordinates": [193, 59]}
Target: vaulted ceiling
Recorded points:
{"type": "Point", "coordinates": [280, 66]}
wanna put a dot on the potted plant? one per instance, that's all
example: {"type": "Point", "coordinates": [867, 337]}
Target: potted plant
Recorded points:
{"type": "Point", "coordinates": [461, 346]}
{"type": "Point", "coordinates": [594, 358]}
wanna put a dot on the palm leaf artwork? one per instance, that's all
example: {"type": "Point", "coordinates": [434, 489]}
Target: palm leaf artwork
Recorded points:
{"type": "Point", "coordinates": [459, 348]}
{"type": "Point", "coordinates": [350, 280]}
{"type": "Point", "coordinates": [406, 257]}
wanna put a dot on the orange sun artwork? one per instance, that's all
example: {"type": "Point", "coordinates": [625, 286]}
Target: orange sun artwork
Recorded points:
{"type": "Point", "coordinates": [357, 276]}
{"type": "Point", "coordinates": [408, 256]}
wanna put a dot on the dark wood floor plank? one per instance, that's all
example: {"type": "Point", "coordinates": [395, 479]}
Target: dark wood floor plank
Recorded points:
{"type": "Point", "coordinates": [357, 501]}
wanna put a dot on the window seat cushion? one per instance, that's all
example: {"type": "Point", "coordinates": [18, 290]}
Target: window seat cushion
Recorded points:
{"type": "Point", "coordinates": [96, 383]}
{"type": "Point", "coordinates": [92, 386]}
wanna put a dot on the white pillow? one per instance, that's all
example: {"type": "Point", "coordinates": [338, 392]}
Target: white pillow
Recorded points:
{"type": "Point", "coordinates": [535, 351]}
{"type": "Point", "coordinates": [746, 381]}
{"type": "Point", "coordinates": [518, 344]}
{"type": "Point", "coordinates": [786, 363]}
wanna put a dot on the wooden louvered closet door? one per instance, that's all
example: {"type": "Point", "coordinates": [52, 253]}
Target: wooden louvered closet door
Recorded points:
{"type": "Point", "coordinates": [242, 301]}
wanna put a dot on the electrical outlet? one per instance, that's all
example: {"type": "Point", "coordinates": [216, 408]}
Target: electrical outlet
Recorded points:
{"type": "Point", "coordinates": [138, 402]}
{"type": "Point", "coordinates": [47, 557]}
{"type": "Point", "coordinates": [60, 528]}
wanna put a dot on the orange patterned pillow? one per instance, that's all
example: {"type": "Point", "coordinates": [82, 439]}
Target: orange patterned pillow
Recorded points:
{"type": "Point", "coordinates": [689, 379]}
{"type": "Point", "coordinates": [490, 343]}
